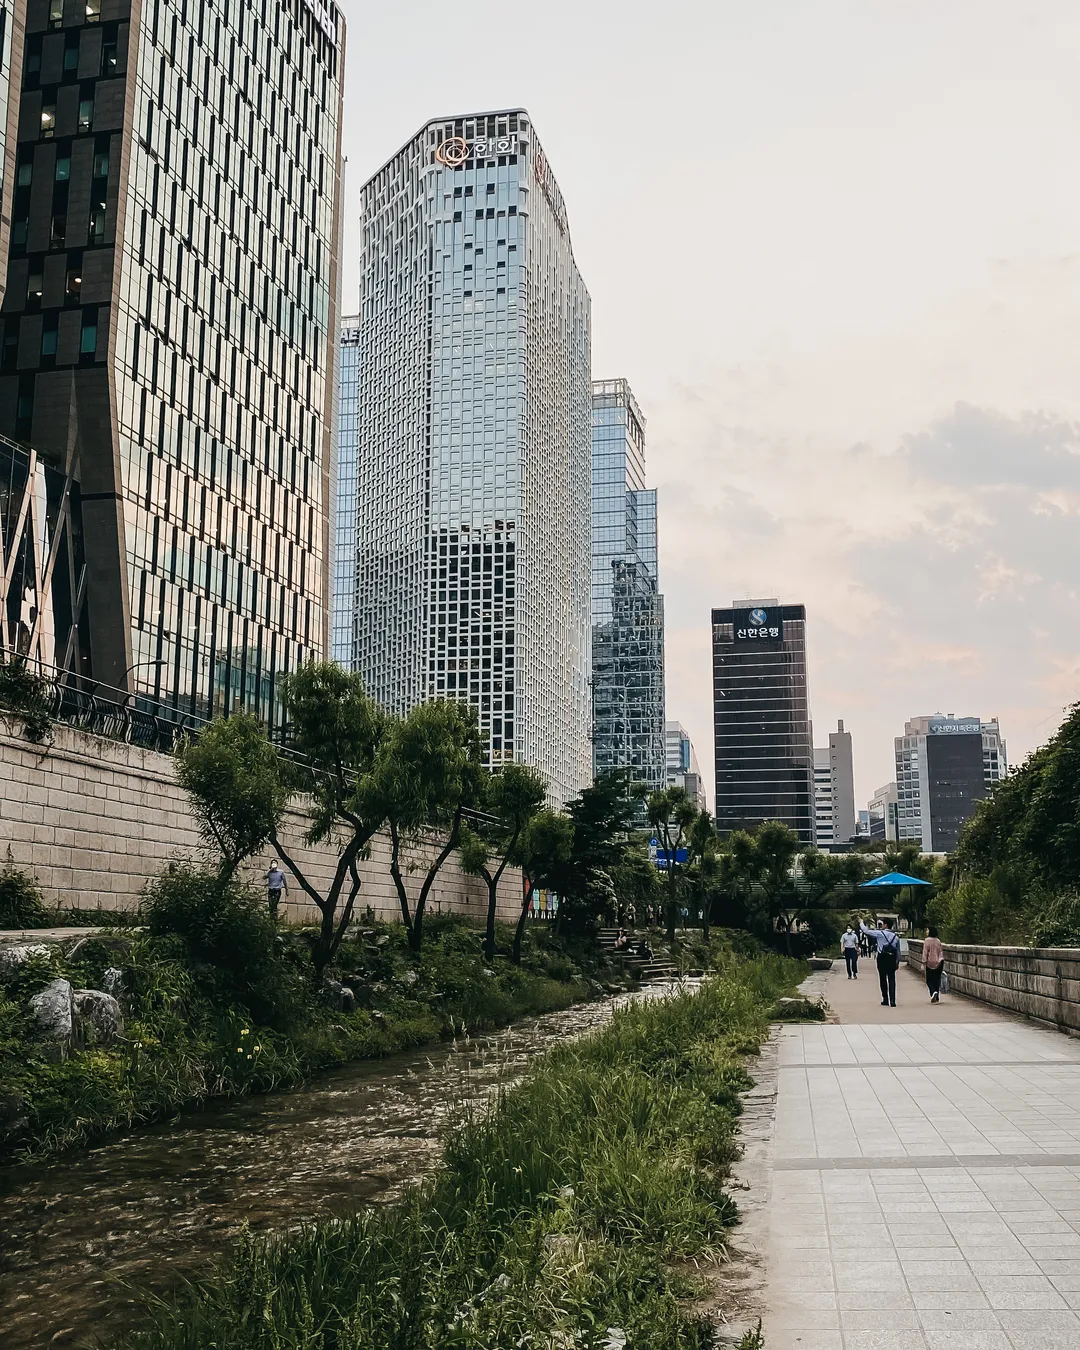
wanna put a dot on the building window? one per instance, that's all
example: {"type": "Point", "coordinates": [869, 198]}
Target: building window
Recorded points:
{"type": "Point", "coordinates": [26, 172]}
{"type": "Point", "coordinates": [48, 120]}
{"type": "Point", "coordinates": [58, 231]}
{"type": "Point", "coordinates": [93, 11]}
{"type": "Point", "coordinates": [56, 13]}
{"type": "Point", "coordinates": [101, 164]}
{"type": "Point", "coordinates": [48, 337]}
{"type": "Point", "coordinates": [33, 286]}
{"type": "Point", "coordinates": [86, 114]}
{"type": "Point", "coordinates": [63, 168]}
{"type": "Point", "coordinates": [88, 341]}
{"type": "Point", "coordinates": [97, 224]}
{"type": "Point", "coordinates": [18, 233]}
{"type": "Point", "coordinates": [71, 53]}
{"type": "Point", "coordinates": [73, 285]}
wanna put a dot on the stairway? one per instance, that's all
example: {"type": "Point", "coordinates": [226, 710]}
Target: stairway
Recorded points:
{"type": "Point", "coordinates": [646, 971]}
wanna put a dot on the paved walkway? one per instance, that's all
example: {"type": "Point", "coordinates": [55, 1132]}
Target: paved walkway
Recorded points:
{"type": "Point", "coordinates": [926, 1179]}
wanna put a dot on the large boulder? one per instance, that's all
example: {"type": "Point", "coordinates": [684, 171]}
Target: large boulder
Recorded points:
{"type": "Point", "coordinates": [54, 1012]}
{"type": "Point", "coordinates": [99, 1018]}
{"type": "Point", "coordinates": [13, 954]}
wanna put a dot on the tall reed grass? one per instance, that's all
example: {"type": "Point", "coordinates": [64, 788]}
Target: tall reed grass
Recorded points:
{"type": "Point", "coordinates": [563, 1217]}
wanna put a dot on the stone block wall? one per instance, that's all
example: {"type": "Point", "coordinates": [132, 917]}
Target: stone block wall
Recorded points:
{"type": "Point", "coordinates": [1038, 982]}
{"type": "Point", "coordinates": [96, 819]}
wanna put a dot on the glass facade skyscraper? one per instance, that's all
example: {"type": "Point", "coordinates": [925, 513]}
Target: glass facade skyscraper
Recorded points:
{"type": "Point", "coordinates": [627, 608]}
{"type": "Point", "coordinates": [473, 456]}
{"type": "Point", "coordinates": [170, 327]}
{"type": "Point", "coordinates": [764, 740]}
{"type": "Point", "coordinates": [343, 582]}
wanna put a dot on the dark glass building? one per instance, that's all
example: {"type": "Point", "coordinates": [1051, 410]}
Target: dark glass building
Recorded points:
{"type": "Point", "coordinates": [627, 608]}
{"type": "Point", "coordinates": [169, 329]}
{"type": "Point", "coordinates": [764, 742]}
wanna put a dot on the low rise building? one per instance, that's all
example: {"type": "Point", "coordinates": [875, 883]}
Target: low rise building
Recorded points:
{"type": "Point", "coordinates": [944, 765]}
{"type": "Point", "coordinates": [681, 762]}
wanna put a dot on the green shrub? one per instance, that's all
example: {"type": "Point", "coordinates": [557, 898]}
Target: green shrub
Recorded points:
{"type": "Point", "coordinates": [27, 696]}
{"type": "Point", "coordinates": [21, 905]}
{"type": "Point", "coordinates": [1058, 923]}
{"type": "Point", "coordinates": [229, 940]}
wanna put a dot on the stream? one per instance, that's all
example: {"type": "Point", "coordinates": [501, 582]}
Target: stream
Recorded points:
{"type": "Point", "coordinates": [81, 1238]}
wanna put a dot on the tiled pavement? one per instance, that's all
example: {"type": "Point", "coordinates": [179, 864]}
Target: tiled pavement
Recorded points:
{"type": "Point", "coordinates": [926, 1188]}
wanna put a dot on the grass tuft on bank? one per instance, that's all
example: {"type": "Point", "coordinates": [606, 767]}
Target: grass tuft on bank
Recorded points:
{"type": "Point", "coordinates": [565, 1217]}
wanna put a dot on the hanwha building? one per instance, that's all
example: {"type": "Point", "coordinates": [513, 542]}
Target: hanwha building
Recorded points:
{"type": "Point", "coordinates": [473, 415]}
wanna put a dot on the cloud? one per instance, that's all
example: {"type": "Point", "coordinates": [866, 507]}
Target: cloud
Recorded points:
{"type": "Point", "coordinates": [943, 574]}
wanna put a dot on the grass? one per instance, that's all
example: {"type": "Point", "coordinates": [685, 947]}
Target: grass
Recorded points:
{"type": "Point", "coordinates": [565, 1217]}
{"type": "Point", "coordinates": [190, 1037]}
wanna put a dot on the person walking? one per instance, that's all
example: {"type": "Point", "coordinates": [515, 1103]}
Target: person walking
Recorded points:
{"type": "Point", "coordinates": [934, 963]}
{"type": "Point", "coordinates": [888, 958]}
{"type": "Point", "coordinates": [275, 884]}
{"type": "Point", "coordinates": [849, 941]}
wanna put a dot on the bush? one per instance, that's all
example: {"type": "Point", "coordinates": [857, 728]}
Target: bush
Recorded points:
{"type": "Point", "coordinates": [1058, 924]}
{"type": "Point", "coordinates": [21, 905]}
{"type": "Point", "coordinates": [229, 940]}
{"type": "Point", "coordinates": [27, 696]}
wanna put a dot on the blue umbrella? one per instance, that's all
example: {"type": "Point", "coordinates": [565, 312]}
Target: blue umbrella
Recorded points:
{"type": "Point", "coordinates": [895, 879]}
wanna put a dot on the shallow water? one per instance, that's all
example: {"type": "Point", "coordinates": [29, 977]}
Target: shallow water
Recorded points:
{"type": "Point", "coordinates": [159, 1204]}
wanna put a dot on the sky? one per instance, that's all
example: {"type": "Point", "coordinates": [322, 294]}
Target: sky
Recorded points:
{"type": "Point", "coordinates": [834, 245]}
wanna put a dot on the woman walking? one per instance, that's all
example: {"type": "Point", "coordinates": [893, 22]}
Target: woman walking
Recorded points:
{"type": "Point", "coordinates": [934, 963]}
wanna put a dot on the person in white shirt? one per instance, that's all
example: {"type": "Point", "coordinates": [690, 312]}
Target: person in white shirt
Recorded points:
{"type": "Point", "coordinates": [849, 942]}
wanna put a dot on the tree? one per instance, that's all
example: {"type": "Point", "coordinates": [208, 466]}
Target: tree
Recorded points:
{"type": "Point", "coordinates": [336, 733]}
{"type": "Point", "coordinates": [512, 796]}
{"type": "Point", "coordinates": [430, 771]}
{"type": "Point", "coordinates": [672, 813]}
{"type": "Point", "coordinates": [544, 853]}
{"type": "Point", "coordinates": [637, 882]}
{"type": "Point", "coordinates": [603, 816]}
{"type": "Point", "coordinates": [759, 866]}
{"type": "Point", "coordinates": [232, 774]}
{"type": "Point", "coordinates": [703, 871]}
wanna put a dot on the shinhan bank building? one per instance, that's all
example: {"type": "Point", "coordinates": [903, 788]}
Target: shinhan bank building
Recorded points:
{"type": "Point", "coordinates": [470, 573]}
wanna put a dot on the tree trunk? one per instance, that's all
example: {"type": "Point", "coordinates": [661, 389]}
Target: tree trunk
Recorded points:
{"type": "Point", "coordinates": [399, 886]}
{"type": "Point", "coordinates": [489, 931]}
{"type": "Point", "coordinates": [671, 903]}
{"type": "Point", "coordinates": [706, 907]}
{"type": "Point", "coordinates": [519, 931]}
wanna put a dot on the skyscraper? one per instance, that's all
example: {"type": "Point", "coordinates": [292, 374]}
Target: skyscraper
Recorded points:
{"type": "Point", "coordinates": [944, 765]}
{"type": "Point", "coordinates": [834, 790]}
{"type": "Point", "coordinates": [473, 464]}
{"type": "Point", "coordinates": [170, 328]}
{"type": "Point", "coordinates": [627, 609]}
{"type": "Point", "coordinates": [343, 582]}
{"type": "Point", "coordinates": [763, 738]}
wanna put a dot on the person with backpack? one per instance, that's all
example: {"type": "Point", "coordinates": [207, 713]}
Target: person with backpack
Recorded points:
{"type": "Point", "coordinates": [888, 958]}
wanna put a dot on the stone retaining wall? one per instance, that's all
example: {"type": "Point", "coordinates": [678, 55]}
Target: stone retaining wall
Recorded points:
{"type": "Point", "coordinates": [1038, 982]}
{"type": "Point", "coordinates": [95, 819]}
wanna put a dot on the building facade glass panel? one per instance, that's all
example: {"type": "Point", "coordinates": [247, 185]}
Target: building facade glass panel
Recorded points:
{"type": "Point", "coordinates": [170, 327]}
{"type": "Point", "coordinates": [627, 608]}
{"type": "Point", "coordinates": [473, 457]}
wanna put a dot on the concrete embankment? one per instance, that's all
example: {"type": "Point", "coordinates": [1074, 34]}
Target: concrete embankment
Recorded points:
{"type": "Point", "coordinates": [1038, 982]}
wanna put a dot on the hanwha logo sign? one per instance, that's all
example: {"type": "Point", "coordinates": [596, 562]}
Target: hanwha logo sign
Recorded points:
{"type": "Point", "coordinates": [453, 152]}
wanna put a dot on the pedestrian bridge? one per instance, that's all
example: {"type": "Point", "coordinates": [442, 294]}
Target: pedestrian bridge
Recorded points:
{"type": "Point", "coordinates": [924, 1179]}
